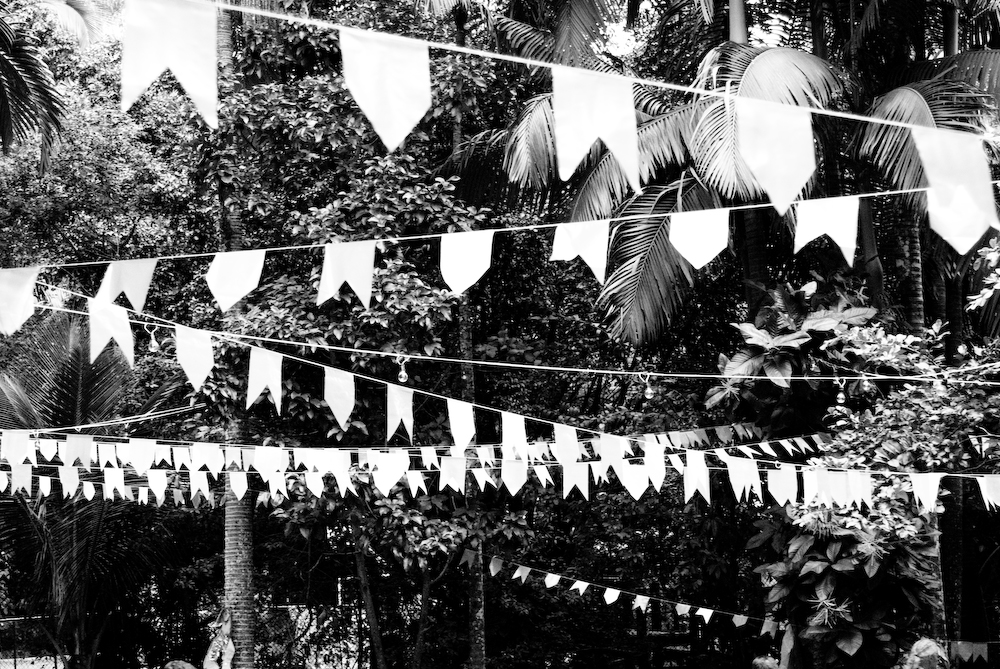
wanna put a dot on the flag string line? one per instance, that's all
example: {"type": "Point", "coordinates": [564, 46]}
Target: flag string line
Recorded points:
{"type": "Point", "coordinates": [532, 62]}
{"type": "Point", "coordinates": [221, 334]}
{"type": "Point", "coordinates": [400, 239]}
{"type": "Point", "coordinates": [629, 593]}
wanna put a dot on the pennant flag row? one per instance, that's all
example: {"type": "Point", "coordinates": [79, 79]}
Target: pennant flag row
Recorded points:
{"type": "Point", "coordinates": [389, 78]}
{"type": "Point", "coordinates": [614, 595]}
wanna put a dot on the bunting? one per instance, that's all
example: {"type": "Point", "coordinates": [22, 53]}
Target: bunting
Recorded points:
{"type": "Point", "coordinates": [465, 257]}
{"type": "Point", "coordinates": [835, 217]}
{"type": "Point", "coordinates": [700, 235]}
{"type": "Point", "coordinates": [352, 263]}
{"type": "Point", "coordinates": [233, 275]}
{"type": "Point", "coordinates": [109, 322]}
{"type": "Point", "coordinates": [131, 277]}
{"type": "Point", "coordinates": [588, 240]}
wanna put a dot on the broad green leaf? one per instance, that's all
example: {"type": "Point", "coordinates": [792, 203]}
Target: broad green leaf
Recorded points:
{"type": "Point", "coordinates": [850, 643]}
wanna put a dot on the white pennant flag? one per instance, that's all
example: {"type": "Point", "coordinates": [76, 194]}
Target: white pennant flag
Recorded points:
{"type": "Point", "coordinates": [513, 434]}
{"type": "Point", "coordinates": [415, 480]}
{"type": "Point", "coordinates": [210, 455]}
{"type": "Point", "coordinates": [522, 573]}
{"type": "Point", "coordinates": [611, 595]}
{"type": "Point", "coordinates": [633, 477]}
{"type": "Point", "coordinates": [640, 602]}
{"type": "Point", "coordinates": [783, 483]}
{"type": "Point", "coordinates": [131, 277]}
{"type": "Point", "coordinates": [696, 477]}
{"type": "Point", "coordinates": [960, 201]}
{"type": "Point", "coordinates": [399, 409]}
{"type": "Point", "coordinates": [496, 564]}
{"type": "Point", "coordinates": [238, 483]}
{"type": "Point", "coordinates": [347, 262]}
{"type": "Point", "coordinates": [69, 479]}
{"type": "Point", "coordinates": [429, 457]}
{"type": "Point", "coordinates": [925, 489]}
{"type": "Point", "coordinates": [576, 475]}
{"type": "Point", "coordinates": [107, 322]}
{"type": "Point", "coordinates": [265, 373]}
{"type": "Point", "coordinates": [195, 354]}
{"type": "Point", "coordinates": [17, 447]}
{"type": "Point", "coordinates": [161, 34]}
{"type": "Point", "coordinates": [114, 480]}
{"type": "Point", "coordinates": [338, 391]}
{"type": "Point", "coordinates": [390, 80]}
{"type": "Point", "coordinates": [88, 490]}
{"type": "Point", "coordinates": [452, 474]}
{"type": "Point", "coordinates": [683, 609]}
{"type": "Point", "coordinates": [776, 143]}
{"type": "Point", "coordinates": [20, 479]}
{"type": "Point", "coordinates": [157, 479]}
{"type": "Point", "coordinates": [740, 621]}
{"type": "Point", "coordinates": [107, 454]}
{"type": "Point", "coordinates": [339, 464]}
{"type": "Point", "coordinates": [462, 419]}
{"type": "Point", "coordinates": [587, 106]}
{"type": "Point", "coordinates": [860, 486]}
{"type": "Point", "coordinates": [835, 217]}
{"type": "Point", "coordinates": [234, 274]}
{"type": "Point", "coordinates": [199, 483]}
{"type": "Point", "coordinates": [17, 297]}
{"type": "Point", "coordinates": [580, 586]}
{"type": "Point", "coordinates": [700, 235]}
{"type": "Point", "coordinates": [182, 457]}
{"type": "Point", "coordinates": [389, 469]}
{"type": "Point", "coordinates": [743, 475]}
{"type": "Point", "coordinates": [656, 467]}
{"type": "Point", "coordinates": [566, 445]}
{"type": "Point", "coordinates": [706, 614]}
{"type": "Point", "coordinates": [514, 474]}
{"type": "Point", "coordinates": [465, 257]}
{"type": "Point", "coordinates": [551, 580]}
{"type": "Point", "coordinates": [544, 478]}
{"type": "Point", "coordinates": [588, 240]}
{"type": "Point", "coordinates": [3, 481]}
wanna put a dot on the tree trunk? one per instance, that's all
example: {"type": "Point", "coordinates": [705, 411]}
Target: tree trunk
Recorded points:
{"type": "Point", "coordinates": [950, 29]}
{"type": "Point", "coordinates": [418, 643]}
{"type": "Point", "coordinates": [238, 575]}
{"type": "Point", "coordinates": [952, 549]}
{"type": "Point", "coordinates": [753, 254]}
{"type": "Point", "coordinates": [738, 22]}
{"type": "Point", "coordinates": [656, 622]}
{"type": "Point", "coordinates": [364, 583]}
{"type": "Point", "coordinates": [818, 26]}
{"type": "Point", "coordinates": [477, 613]}
{"type": "Point", "coordinates": [954, 306]}
{"type": "Point", "coordinates": [871, 263]}
{"type": "Point", "coordinates": [913, 282]}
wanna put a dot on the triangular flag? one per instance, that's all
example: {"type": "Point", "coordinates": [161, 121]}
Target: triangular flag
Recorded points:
{"type": "Point", "coordinates": [3, 481]}
{"type": "Point", "coordinates": [482, 477]}
{"type": "Point", "coordinates": [350, 262]}
{"type": "Point", "coordinates": [48, 448]}
{"type": "Point", "coordinates": [157, 479]}
{"type": "Point", "coordinates": [813, 491]}
{"type": "Point", "coordinates": [314, 482]}
{"type": "Point", "coordinates": [580, 586]}
{"type": "Point", "coordinates": [776, 143]}
{"type": "Point", "coordinates": [960, 201]}
{"type": "Point", "coordinates": [587, 106]}
{"type": "Point", "coordinates": [234, 274]}
{"type": "Point", "coordinates": [107, 454]}
{"type": "Point", "coordinates": [17, 447]}
{"type": "Point", "coordinates": [195, 354]}
{"type": "Point", "coordinates": [131, 277]}
{"type": "Point", "coordinates": [268, 459]}
{"type": "Point", "coordinates": [265, 373]}
{"type": "Point", "coordinates": [462, 419]}
{"type": "Point", "coordinates": [656, 468]}
{"type": "Point", "coordinates": [199, 483]}
{"type": "Point", "coordinates": [551, 580]}
{"type": "Point", "coordinates": [399, 409]}
{"type": "Point", "coordinates": [338, 391]}
{"type": "Point", "coordinates": [769, 627]}
{"type": "Point", "coordinates": [522, 573]}
{"type": "Point", "coordinates": [700, 235]}
{"type": "Point", "coordinates": [588, 240]}
{"type": "Point", "coordinates": [452, 474]}
{"type": "Point", "coordinates": [566, 446]}
{"type": "Point", "coordinates": [706, 614]}
{"type": "Point", "coordinates": [107, 322]}
{"type": "Point", "coordinates": [182, 457]}
{"type": "Point", "coordinates": [429, 457]}
{"type": "Point", "coordinates": [338, 463]}
{"type": "Point", "coordinates": [513, 435]}
{"type": "Point", "coordinates": [743, 475]}
{"type": "Point", "coordinates": [576, 475]}
{"type": "Point", "coordinates": [989, 486]}
{"type": "Point", "coordinates": [389, 469]}
{"type": "Point", "coordinates": [89, 490]}
{"type": "Point", "coordinates": [210, 455]}
{"type": "Point", "coordinates": [465, 257]}
{"type": "Point", "coordinates": [783, 484]}
{"type": "Point", "coordinates": [835, 217]}
{"type": "Point", "coordinates": [611, 595]}
{"type": "Point", "coordinates": [17, 297]}
{"type": "Point", "coordinates": [676, 462]}
{"type": "Point", "coordinates": [496, 564]}
{"type": "Point", "coordinates": [682, 609]}
{"type": "Point", "coordinates": [859, 485]}
{"type": "Point", "coordinates": [633, 477]}
{"type": "Point", "coordinates": [415, 480]}
{"type": "Point", "coordinates": [487, 456]}
{"type": "Point", "coordinates": [640, 602]}
{"type": "Point", "coordinates": [114, 479]}
{"type": "Point", "coordinates": [696, 477]}
{"type": "Point", "coordinates": [739, 621]}
{"type": "Point", "coordinates": [161, 34]}
{"type": "Point", "coordinates": [69, 479]}
{"type": "Point", "coordinates": [542, 472]}
{"type": "Point", "coordinates": [238, 483]}
{"type": "Point", "coordinates": [390, 80]}
{"type": "Point", "coordinates": [514, 474]}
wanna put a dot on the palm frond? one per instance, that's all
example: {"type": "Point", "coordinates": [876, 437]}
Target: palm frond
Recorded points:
{"type": "Point", "coordinates": [530, 152]}
{"type": "Point", "coordinates": [650, 279]}
{"type": "Point", "coordinates": [873, 17]}
{"type": "Point", "coordinates": [580, 29]}
{"type": "Point", "coordinates": [83, 19]}
{"type": "Point", "coordinates": [940, 103]}
{"type": "Point", "coordinates": [29, 100]}
{"type": "Point", "coordinates": [978, 68]}
{"type": "Point", "coordinates": [524, 40]}
{"type": "Point", "coordinates": [663, 142]}
{"type": "Point", "coordinates": [773, 74]}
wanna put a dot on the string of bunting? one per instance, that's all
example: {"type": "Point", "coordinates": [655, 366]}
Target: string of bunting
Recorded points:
{"type": "Point", "coordinates": [962, 649]}
{"type": "Point", "coordinates": [389, 78]}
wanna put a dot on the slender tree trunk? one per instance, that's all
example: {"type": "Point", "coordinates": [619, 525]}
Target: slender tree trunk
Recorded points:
{"type": "Point", "coordinates": [952, 550]}
{"type": "Point", "coordinates": [950, 29]}
{"type": "Point", "coordinates": [364, 582]}
{"type": "Point", "coordinates": [418, 643]}
{"type": "Point", "coordinates": [738, 22]}
{"type": "Point", "coordinates": [818, 26]}
{"type": "Point", "coordinates": [238, 575]}
{"type": "Point", "coordinates": [753, 254]}
{"type": "Point", "coordinates": [871, 263]}
{"type": "Point", "coordinates": [954, 306]}
{"type": "Point", "coordinates": [477, 613]}
{"type": "Point", "coordinates": [656, 623]}
{"type": "Point", "coordinates": [913, 282]}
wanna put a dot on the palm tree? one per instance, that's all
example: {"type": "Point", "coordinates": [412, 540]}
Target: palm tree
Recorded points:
{"type": "Point", "coordinates": [86, 558]}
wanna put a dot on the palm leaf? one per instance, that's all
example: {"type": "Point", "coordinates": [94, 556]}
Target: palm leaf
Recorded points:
{"type": "Point", "coordinates": [940, 103]}
{"type": "Point", "coordinates": [773, 74]}
{"type": "Point", "coordinates": [580, 29]}
{"type": "Point", "coordinates": [524, 40]}
{"type": "Point", "coordinates": [650, 279]}
{"type": "Point", "coordinates": [663, 142]}
{"type": "Point", "coordinates": [83, 19]}
{"type": "Point", "coordinates": [530, 151]}
{"type": "Point", "coordinates": [978, 68]}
